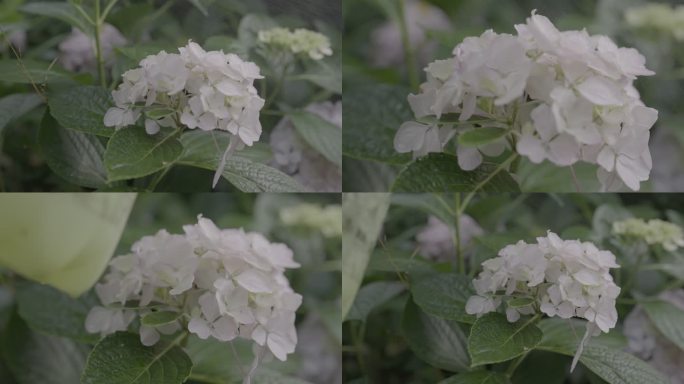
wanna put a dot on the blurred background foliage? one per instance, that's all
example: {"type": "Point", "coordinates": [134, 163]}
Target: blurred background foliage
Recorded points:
{"type": "Point", "coordinates": [148, 27]}
{"type": "Point", "coordinates": [28, 356]}
{"type": "Point", "coordinates": [379, 345]}
{"type": "Point", "coordinates": [445, 23]}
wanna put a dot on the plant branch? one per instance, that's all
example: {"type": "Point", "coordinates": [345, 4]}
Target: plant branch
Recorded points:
{"type": "Point", "coordinates": [98, 46]}
{"type": "Point", "coordinates": [409, 54]}
{"type": "Point", "coordinates": [489, 177]}
{"type": "Point", "coordinates": [460, 260]}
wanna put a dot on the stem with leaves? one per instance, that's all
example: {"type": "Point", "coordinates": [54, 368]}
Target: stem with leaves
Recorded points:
{"type": "Point", "coordinates": [460, 260]}
{"type": "Point", "coordinates": [98, 46]}
{"type": "Point", "coordinates": [409, 53]}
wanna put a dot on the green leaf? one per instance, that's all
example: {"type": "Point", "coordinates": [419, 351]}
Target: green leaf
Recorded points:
{"type": "Point", "coordinates": [439, 172]}
{"type": "Point", "coordinates": [158, 112]}
{"type": "Point", "coordinates": [439, 342]}
{"type": "Point", "coordinates": [61, 11]}
{"type": "Point", "coordinates": [667, 318]}
{"type": "Point", "coordinates": [604, 217]}
{"type": "Point", "coordinates": [140, 51]}
{"type": "Point", "coordinates": [605, 360]}
{"type": "Point", "coordinates": [479, 377]}
{"type": "Point", "coordinates": [542, 367]}
{"type": "Point", "coordinates": [430, 203]}
{"type": "Point", "coordinates": [26, 71]}
{"type": "Point", "coordinates": [323, 136]}
{"type": "Point", "coordinates": [371, 296]}
{"type": "Point", "coordinates": [372, 116]}
{"type": "Point", "coordinates": [132, 153]}
{"type": "Point", "coordinates": [394, 260]}
{"type": "Point", "coordinates": [121, 359]}
{"type": "Point", "coordinates": [35, 358]}
{"type": "Point", "coordinates": [53, 312]}
{"type": "Point", "coordinates": [243, 169]}
{"type": "Point", "coordinates": [481, 136]}
{"type": "Point", "coordinates": [493, 339]}
{"type": "Point", "coordinates": [73, 155]}
{"type": "Point", "coordinates": [362, 217]}
{"type": "Point", "coordinates": [82, 108]}
{"type": "Point", "coordinates": [520, 302]}
{"type": "Point", "coordinates": [155, 319]}
{"type": "Point", "coordinates": [250, 25]}
{"type": "Point", "coordinates": [548, 177]}
{"type": "Point", "coordinates": [198, 4]}
{"type": "Point", "coordinates": [444, 295]}
{"type": "Point", "coordinates": [16, 105]}
{"type": "Point", "coordinates": [326, 76]}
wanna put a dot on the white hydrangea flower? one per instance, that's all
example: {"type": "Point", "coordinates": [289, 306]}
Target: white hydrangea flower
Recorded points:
{"type": "Point", "coordinates": [564, 278]}
{"type": "Point", "coordinates": [564, 97]}
{"type": "Point", "coordinates": [436, 239]}
{"type": "Point", "coordinates": [77, 51]}
{"type": "Point", "coordinates": [296, 158]}
{"type": "Point", "coordinates": [645, 341]}
{"type": "Point", "coordinates": [315, 45]}
{"type": "Point", "coordinates": [224, 284]}
{"type": "Point", "coordinates": [194, 89]}
{"type": "Point", "coordinates": [669, 235]}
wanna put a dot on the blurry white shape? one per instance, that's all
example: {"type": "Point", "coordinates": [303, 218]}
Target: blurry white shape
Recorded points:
{"type": "Point", "coordinates": [296, 158]}
{"type": "Point", "coordinates": [436, 239]}
{"type": "Point", "coordinates": [77, 51]}
{"type": "Point", "coordinates": [421, 17]}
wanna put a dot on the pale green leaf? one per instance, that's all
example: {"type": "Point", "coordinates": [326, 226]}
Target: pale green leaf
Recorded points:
{"type": "Point", "coordinates": [121, 359]}
{"type": "Point", "coordinates": [493, 339]}
{"type": "Point", "coordinates": [667, 318]}
{"type": "Point", "coordinates": [26, 71]}
{"type": "Point", "coordinates": [323, 136]}
{"type": "Point", "coordinates": [437, 341]}
{"type": "Point", "coordinates": [156, 319]}
{"type": "Point", "coordinates": [132, 153]}
{"type": "Point", "coordinates": [63, 11]}
{"type": "Point", "coordinates": [439, 172]}
{"type": "Point", "coordinates": [82, 108]}
{"type": "Point", "coordinates": [481, 136]}
{"type": "Point", "coordinates": [362, 217]}
{"type": "Point", "coordinates": [443, 295]}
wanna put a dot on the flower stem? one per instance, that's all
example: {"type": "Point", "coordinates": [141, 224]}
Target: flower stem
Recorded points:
{"type": "Point", "coordinates": [98, 45]}
{"type": "Point", "coordinates": [484, 182]}
{"type": "Point", "coordinates": [460, 260]}
{"type": "Point", "coordinates": [409, 54]}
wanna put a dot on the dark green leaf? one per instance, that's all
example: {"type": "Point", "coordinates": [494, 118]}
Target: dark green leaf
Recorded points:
{"type": "Point", "coordinates": [198, 4]}
{"type": "Point", "coordinates": [158, 112]}
{"type": "Point", "coordinates": [35, 358]}
{"type": "Point", "coordinates": [50, 311]}
{"type": "Point", "coordinates": [480, 377]}
{"type": "Point", "coordinates": [155, 319]}
{"type": "Point", "coordinates": [132, 153]}
{"type": "Point", "coordinates": [73, 155]}
{"type": "Point", "coordinates": [430, 203]}
{"type": "Point", "coordinates": [121, 359]}
{"type": "Point", "coordinates": [26, 71]}
{"type": "Point", "coordinates": [14, 106]}
{"type": "Point", "coordinates": [520, 302]}
{"type": "Point", "coordinates": [62, 11]}
{"type": "Point", "coordinates": [493, 339]}
{"type": "Point", "coordinates": [439, 172]}
{"type": "Point", "coordinates": [481, 136]}
{"type": "Point", "coordinates": [323, 136]}
{"type": "Point", "coordinates": [82, 108]}
{"type": "Point", "coordinates": [437, 341]}
{"type": "Point", "coordinates": [443, 295]}
{"type": "Point", "coordinates": [372, 116]}
{"type": "Point", "coordinates": [371, 296]}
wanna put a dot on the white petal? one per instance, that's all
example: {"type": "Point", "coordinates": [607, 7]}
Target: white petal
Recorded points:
{"type": "Point", "coordinates": [254, 281]}
{"type": "Point", "coordinates": [531, 147]}
{"type": "Point", "coordinates": [468, 158]}
{"type": "Point", "coordinates": [113, 117]}
{"type": "Point", "coordinates": [151, 126]}
{"type": "Point", "coordinates": [601, 91]}
{"type": "Point", "coordinates": [280, 346]}
{"type": "Point", "coordinates": [148, 336]}
{"type": "Point", "coordinates": [410, 137]}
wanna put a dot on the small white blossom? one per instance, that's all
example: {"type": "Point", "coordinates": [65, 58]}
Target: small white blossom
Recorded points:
{"type": "Point", "coordinates": [564, 97]}
{"type": "Point", "coordinates": [327, 219]}
{"type": "Point", "coordinates": [436, 239]}
{"type": "Point", "coordinates": [670, 236]}
{"type": "Point", "coordinates": [224, 284]}
{"type": "Point", "coordinates": [315, 45]}
{"type": "Point", "coordinates": [658, 17]}
{"type": "Point", "coordinates": [564, 278]}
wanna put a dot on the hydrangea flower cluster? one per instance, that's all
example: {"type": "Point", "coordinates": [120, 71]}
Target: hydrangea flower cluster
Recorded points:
{"type": "Point", "coordinates": [670, 236]}
{"type": "Point", "coordinates": [564, 97]}
{"type": "Point", "coordinates": [657, 16]}
{"type": "Point", "coordinates": [220, 283]}
{"type": "Point", "coordinates": [77, 51]}
{"type": "Point", "coordinates": [313, 44]}
{"type": "Point", "coordinates": [564, 278]}
{"type": "Point", "coordinates": [436, 238]}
